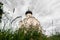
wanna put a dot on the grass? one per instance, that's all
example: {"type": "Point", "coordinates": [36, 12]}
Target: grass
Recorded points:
{"type": "Point", "coordinates": [26, 34]}
{"type": "Point", "coordinates": [55, 37]}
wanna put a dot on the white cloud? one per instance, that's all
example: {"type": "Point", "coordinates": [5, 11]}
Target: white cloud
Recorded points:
{"type": "Point", "coordinates": [44, 10]}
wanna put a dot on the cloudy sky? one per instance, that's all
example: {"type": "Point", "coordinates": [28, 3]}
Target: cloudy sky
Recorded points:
{"type": "Point", "coordinates": [46, 11]}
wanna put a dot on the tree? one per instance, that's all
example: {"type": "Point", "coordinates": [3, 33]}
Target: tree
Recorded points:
{"type": "Point", "coordinates": [1, 10]}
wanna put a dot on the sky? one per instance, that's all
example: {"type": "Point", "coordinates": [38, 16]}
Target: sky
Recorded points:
{"type": "Point", "coordinates": [46, 11]}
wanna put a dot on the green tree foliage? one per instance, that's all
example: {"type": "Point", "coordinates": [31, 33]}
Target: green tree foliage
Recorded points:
{"type": "Point", "coordinates": [1, 10]}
